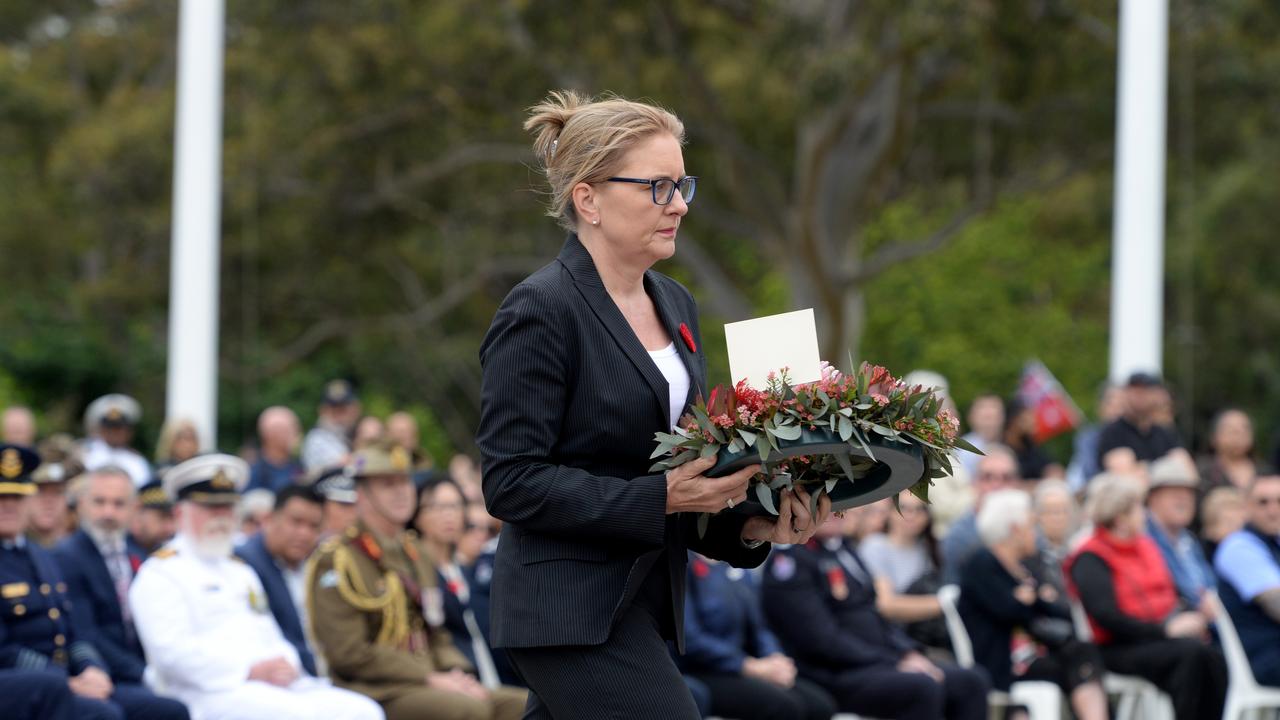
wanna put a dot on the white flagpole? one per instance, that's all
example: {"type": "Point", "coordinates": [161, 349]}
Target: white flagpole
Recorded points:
{"type": "Point", "coordinates": [1137, 270]}
{"type": "Point", "coordinates": [192, 390]}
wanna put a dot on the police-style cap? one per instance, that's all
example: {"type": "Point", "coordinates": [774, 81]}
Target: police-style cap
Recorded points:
{"type": "Point", "coordinates": [338, 392]}
{"type": "Point", "coordinates": [334, 485]}
{"type": "Point", "coordinates": [383, 458]}
{"type": "Point", "coordinates": [17, 463]}
{"type": "Point", "coordinates": [214, 479]}
{"type": "Point", "coordinates": [152, 495]}
{"type": "Point", "coordinates": [113, 409]}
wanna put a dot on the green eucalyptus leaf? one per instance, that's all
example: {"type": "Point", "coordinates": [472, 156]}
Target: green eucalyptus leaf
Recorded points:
{"type": "Point", "coordinates": [747, 436]}
{"type": "Point", "coordinates": [683, 458]}
{"type": "Point", "coordinates": [846, 428]}
{"type": "Point", "coordinates": [862, 440]}
{"type": "Point", "coordinates": [765, 496]}
{"type": "Point", "coordinates": [843, 460]}
{"type": "Point", "coordinates": [787, 432]}
{"type": "Point", "coordinates": [882, 430]}
{"type": "Point", "coordinates": [709, 451]}
{"type": "Point", "coordinates": [662, 449]}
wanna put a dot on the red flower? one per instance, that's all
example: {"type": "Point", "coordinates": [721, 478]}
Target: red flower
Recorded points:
{"type": "Point", "coordinates": [701, 568]}
{"type": "Point", "coordinates": [688, 337]}
{"type": "Point", "coordinates": [135, 562]}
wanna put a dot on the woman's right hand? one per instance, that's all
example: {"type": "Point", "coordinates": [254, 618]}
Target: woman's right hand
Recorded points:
{"type": "Point", "coordinates": [1186, 624]}
{"type": "Point", "coordinates": [688, 490]}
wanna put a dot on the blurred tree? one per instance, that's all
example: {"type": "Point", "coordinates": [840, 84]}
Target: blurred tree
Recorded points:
{"type": "Point", "coordinates": [934, 178]}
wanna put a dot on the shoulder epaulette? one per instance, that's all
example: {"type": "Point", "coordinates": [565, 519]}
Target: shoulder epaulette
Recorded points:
{"type": "Point", "coordinates": [164, 552]}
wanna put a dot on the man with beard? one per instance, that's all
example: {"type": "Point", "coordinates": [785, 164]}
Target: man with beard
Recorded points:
{"type": "Point", "coordinates": [152, 523]}
{"type": "Point", "coordinates": [38, 630]}
{"type": "Point", "coordinates": [99, 564]}
{"type": "Point", "coordinates": [377, 613]}
{"type": "Point", "coordinates": [203, 617]}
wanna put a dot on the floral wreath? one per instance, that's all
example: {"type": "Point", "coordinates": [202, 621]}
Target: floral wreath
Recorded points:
{"type": "Point", "coordinates": [867, 409]}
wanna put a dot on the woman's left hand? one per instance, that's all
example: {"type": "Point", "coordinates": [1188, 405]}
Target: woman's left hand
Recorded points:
{"type": "Point", "coordinates": [794, 524]}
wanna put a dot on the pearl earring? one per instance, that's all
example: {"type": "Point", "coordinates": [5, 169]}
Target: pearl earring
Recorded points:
{"type": "Point", "coordinates": [596, 221]}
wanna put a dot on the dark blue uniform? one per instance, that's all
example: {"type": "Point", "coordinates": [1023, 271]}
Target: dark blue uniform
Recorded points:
{"type": "Point", "coordinates": [98, 610]}
{"type": "Point", "coordinates": [38, 632]}
{"type": "Point", "coordinates": [723, 626]}
{"type": "Point", "coordinates": [820, 601]}
{"type": "Point", "coordinates": [36, 695]}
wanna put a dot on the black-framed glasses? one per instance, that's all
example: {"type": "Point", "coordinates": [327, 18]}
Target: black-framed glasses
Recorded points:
{"type": "Point", "coordinates": [665, 188]}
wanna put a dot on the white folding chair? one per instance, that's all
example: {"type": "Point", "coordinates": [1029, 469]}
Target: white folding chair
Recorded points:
{"type": "Point", "coordinates": [1135, 695]}
{"type": "Point", "coordinates": [1244, 694]}
{"type": "Point", "coordinates": [1043, 700]}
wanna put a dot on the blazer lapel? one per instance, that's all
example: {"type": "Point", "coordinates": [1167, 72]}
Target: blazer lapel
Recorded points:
{"type": "Point", "coordinates": [587, 279]}
{"type": "Point", "coordinates": [671, 320]}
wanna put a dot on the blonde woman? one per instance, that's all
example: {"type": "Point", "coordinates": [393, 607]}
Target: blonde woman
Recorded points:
{"type": "Point", "coordinates": [179, 441]}
{"type": "Point", "coordinates": [585, 360]}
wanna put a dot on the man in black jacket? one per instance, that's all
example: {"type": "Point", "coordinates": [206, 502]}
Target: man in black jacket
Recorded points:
{"type": "Point", "coordinates": [821, 602]}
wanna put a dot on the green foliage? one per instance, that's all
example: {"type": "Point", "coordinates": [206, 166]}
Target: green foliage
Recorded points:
{"type": "Point", "coordinates": [1028, 281]}
{"type": "Point", "coordinates": [379, 198]}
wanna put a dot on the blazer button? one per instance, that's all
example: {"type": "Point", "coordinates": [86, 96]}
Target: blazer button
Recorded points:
{"type": "Point", "coordinates": [19, 610]}
{"type": "Point", "coordinates": [45, 589]}
{"type": "Point", "coordinates": [61, 587]}
{"type": "Point", "coordinates": [59, 640]}
{"type": "Point", "coordinates": [54, 614]}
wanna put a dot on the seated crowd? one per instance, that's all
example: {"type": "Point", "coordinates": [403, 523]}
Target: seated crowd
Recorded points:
{"type": "Point", "coordinates": [341, 575]}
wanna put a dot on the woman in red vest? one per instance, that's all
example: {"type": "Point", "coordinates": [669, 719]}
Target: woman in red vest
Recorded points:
{"type": "Point", "coordinates": [1120, 577]}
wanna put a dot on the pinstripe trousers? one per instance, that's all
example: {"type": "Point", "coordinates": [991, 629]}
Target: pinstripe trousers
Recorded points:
{"type": "Point", "coordinates": [629, 677]}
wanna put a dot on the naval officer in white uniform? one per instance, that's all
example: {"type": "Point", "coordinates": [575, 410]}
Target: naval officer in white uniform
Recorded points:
{"type": "Point", "coordinates": [203, 618]}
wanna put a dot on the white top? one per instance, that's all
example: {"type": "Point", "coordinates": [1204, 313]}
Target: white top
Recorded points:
{"type": "Point", "coordinates": [98, 454]}
{"type": "Point", "coordinates": [203, 623]}
{"type": "Point", "coordinates": [677, 375]}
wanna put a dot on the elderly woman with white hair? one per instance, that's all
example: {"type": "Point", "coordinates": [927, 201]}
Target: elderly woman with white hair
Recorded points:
{"type": "Point", "coordinates": [1128, 593]}
{"type": "Point", "coordinates": [1000, 597]}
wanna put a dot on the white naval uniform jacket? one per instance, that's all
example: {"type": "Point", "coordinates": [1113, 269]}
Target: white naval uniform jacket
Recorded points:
{"type": "Point", "coordinates": [203, 623]}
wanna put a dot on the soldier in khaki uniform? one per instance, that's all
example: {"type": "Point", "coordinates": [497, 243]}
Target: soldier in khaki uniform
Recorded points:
{"type": "Point", "coordinates": [376, 613]}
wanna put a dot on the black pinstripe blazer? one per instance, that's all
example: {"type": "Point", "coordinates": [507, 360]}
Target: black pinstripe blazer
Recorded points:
{"type": "Point", "coordinates": [569, 405]}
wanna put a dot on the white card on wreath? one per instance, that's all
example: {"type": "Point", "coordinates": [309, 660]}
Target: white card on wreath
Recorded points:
{"type": "Point", "coordinates": [768, 344]}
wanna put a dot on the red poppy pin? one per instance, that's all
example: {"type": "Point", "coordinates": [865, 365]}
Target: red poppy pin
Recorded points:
{"type": "Point", "coordinates": [135, 563]}
{"type": "Point", "coordinates": [687, 335]}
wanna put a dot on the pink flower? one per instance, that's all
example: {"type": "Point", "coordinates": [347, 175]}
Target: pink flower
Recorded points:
{"type": "Point", "coordinates": [879, 399]}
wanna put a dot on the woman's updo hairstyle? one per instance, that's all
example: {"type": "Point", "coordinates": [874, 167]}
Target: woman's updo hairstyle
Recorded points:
{"type": "Point", "coordinates": [579, 140]}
